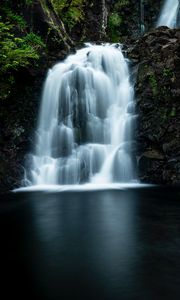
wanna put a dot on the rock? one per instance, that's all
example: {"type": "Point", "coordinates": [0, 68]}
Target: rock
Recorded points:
{"type": "Point", "coordinates": [154, 154]}
{"type": "Point", "coordinates": [149, 169]}
{"type": "Point", "coordinates": [157, 91]}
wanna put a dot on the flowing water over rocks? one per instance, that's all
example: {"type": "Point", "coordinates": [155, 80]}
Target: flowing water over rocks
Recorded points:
{"type": "Point", "coordinates": [86, 119]}
{"type": "Point", "coordinates": [169, 14]}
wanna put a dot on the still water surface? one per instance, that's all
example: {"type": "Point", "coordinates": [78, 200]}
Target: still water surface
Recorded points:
{"type": "Point", "coordinates": [115, 245]}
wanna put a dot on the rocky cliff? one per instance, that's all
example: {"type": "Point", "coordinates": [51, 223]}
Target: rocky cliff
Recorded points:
{"type": "Point", "coordinates": [157, 55]}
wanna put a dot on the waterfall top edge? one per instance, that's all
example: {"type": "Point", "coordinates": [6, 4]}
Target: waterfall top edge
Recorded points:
{"type": "Point", "coordinates": [113, 45]}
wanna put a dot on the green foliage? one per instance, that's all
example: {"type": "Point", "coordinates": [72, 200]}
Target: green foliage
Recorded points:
{"type": "Point", "coordinates": [15, 19]}
{"type": "Point", "coordinates": [169, 75]}
{"type": "Point", "coordinates": [115, 20]}
{"type": "Point", "coordinates": [167, 72]}
{"type": "Point", "coordinates": [153, 84]}
{"type": "Point", "coordinates": [17, 47]}
{"type": "Point", "coordinates": [34, 41]}
{"type": "Point", "coordinates": [71, 12]}
{"type": "Point", "coordinates": [28, 2]}
{"type": "Point", "coordinates": [120, 3]}
{"type": "Point", "coordinates": [15, 52]}
{"type": "Point", "coordinates": [173, 112]}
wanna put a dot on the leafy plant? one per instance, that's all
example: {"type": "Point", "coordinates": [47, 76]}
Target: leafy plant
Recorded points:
{"type": "Point", "coordinates": [34, 40]}
{"type": "Point", "coordinates": [16, 52]}
{"type": "Point", "coordinates": [29, 2]}
{"type": "Point", "coordinates": [15, 18]}
{"type": "Point", "coordinates": [173, 112]}
{"type": "Point", "coordinates": [114, 22]}
{"type": "Point", "coordinates": [167, 72]}
{"type": "Point", "coordinates": [153, 83]}
{"type": "Point", "coordinates": [70, 11]}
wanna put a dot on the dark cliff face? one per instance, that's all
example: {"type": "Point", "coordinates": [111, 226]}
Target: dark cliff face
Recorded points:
{"type": "Point", "coordinates": [158, 96]}
{"type": "Point", "coordinates": [156, 88]}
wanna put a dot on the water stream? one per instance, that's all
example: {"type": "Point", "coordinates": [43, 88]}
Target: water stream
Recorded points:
{"type": "Point", "coordinates": [169, 14]}
{"type": "Point", "coordinates": [85, 125]}
{"type": "Point", "coordinates": [142, 23]}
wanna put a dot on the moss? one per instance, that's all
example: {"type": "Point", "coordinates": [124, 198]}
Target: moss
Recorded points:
{"type": "Point", "coordinates": [114, 21]}
{"type": "Point", "coordinates": [71, 12]}
{"type": "Point", "coordinates": [146, 74]}
{"type": "Point", "coordinates": [173, 112]}
{"type": "Point", "coordinates": [153, 84]}
{"type": "Point", "coordinates": [167, 72]}
{"type": "Point", "coordinates": [143, 69]}
{"type": "Point", "coordinates": [28, 2]}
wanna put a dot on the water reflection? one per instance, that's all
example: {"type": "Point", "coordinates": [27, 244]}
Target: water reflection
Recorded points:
{"type": "Point", "coordinates": [116, 236]}
{"type": "Point", "coordinates": [87, 235]}
{"type": "Point", "coordinates": [93, 245]}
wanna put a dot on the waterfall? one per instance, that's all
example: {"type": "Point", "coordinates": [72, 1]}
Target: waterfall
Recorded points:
{"type": "Point", "coordinates": [85, 125]}
{"type": "Point", "coordinates": [142, 26]}
{"type": "Point", "coordinates": [169, 14]}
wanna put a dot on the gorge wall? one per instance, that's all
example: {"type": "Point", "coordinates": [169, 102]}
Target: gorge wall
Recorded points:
{"type": "Point", "coordinates": [57, 32]}
{"type": "Point", "coordinates": [158, 95]}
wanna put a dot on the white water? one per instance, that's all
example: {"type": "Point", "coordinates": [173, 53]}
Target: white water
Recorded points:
{"type": "Point", "coordinates": [85, 125]}
{"type": "Point", "coordinates": [169, 14]}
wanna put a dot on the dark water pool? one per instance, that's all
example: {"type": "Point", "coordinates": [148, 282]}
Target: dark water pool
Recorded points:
{"type": "Point", "coordinates": [116, 245]}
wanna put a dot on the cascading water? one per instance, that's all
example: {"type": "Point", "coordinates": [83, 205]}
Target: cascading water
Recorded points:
{"type": "Point", "coordinates": [142, 26]}
{"type": "Point", "coordinates": [169, 14]}
{"type": "Point", "coordinates": [86, 118]}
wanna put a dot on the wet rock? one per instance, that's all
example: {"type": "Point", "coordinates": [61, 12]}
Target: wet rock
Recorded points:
{"type": "Point", "coordinates": [149, 169]}
{"type": "Point", "coordinates": [157, 91]}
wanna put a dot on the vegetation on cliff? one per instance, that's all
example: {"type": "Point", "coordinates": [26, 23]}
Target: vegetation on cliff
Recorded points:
{"type": "Point", "coordinates": [19, 47]}
{"type": "Point", "coordinates": [33, 31]}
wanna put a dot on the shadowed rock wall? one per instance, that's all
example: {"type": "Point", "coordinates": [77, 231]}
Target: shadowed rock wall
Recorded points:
{"type": "Point", "coordinates": [158, 105]}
